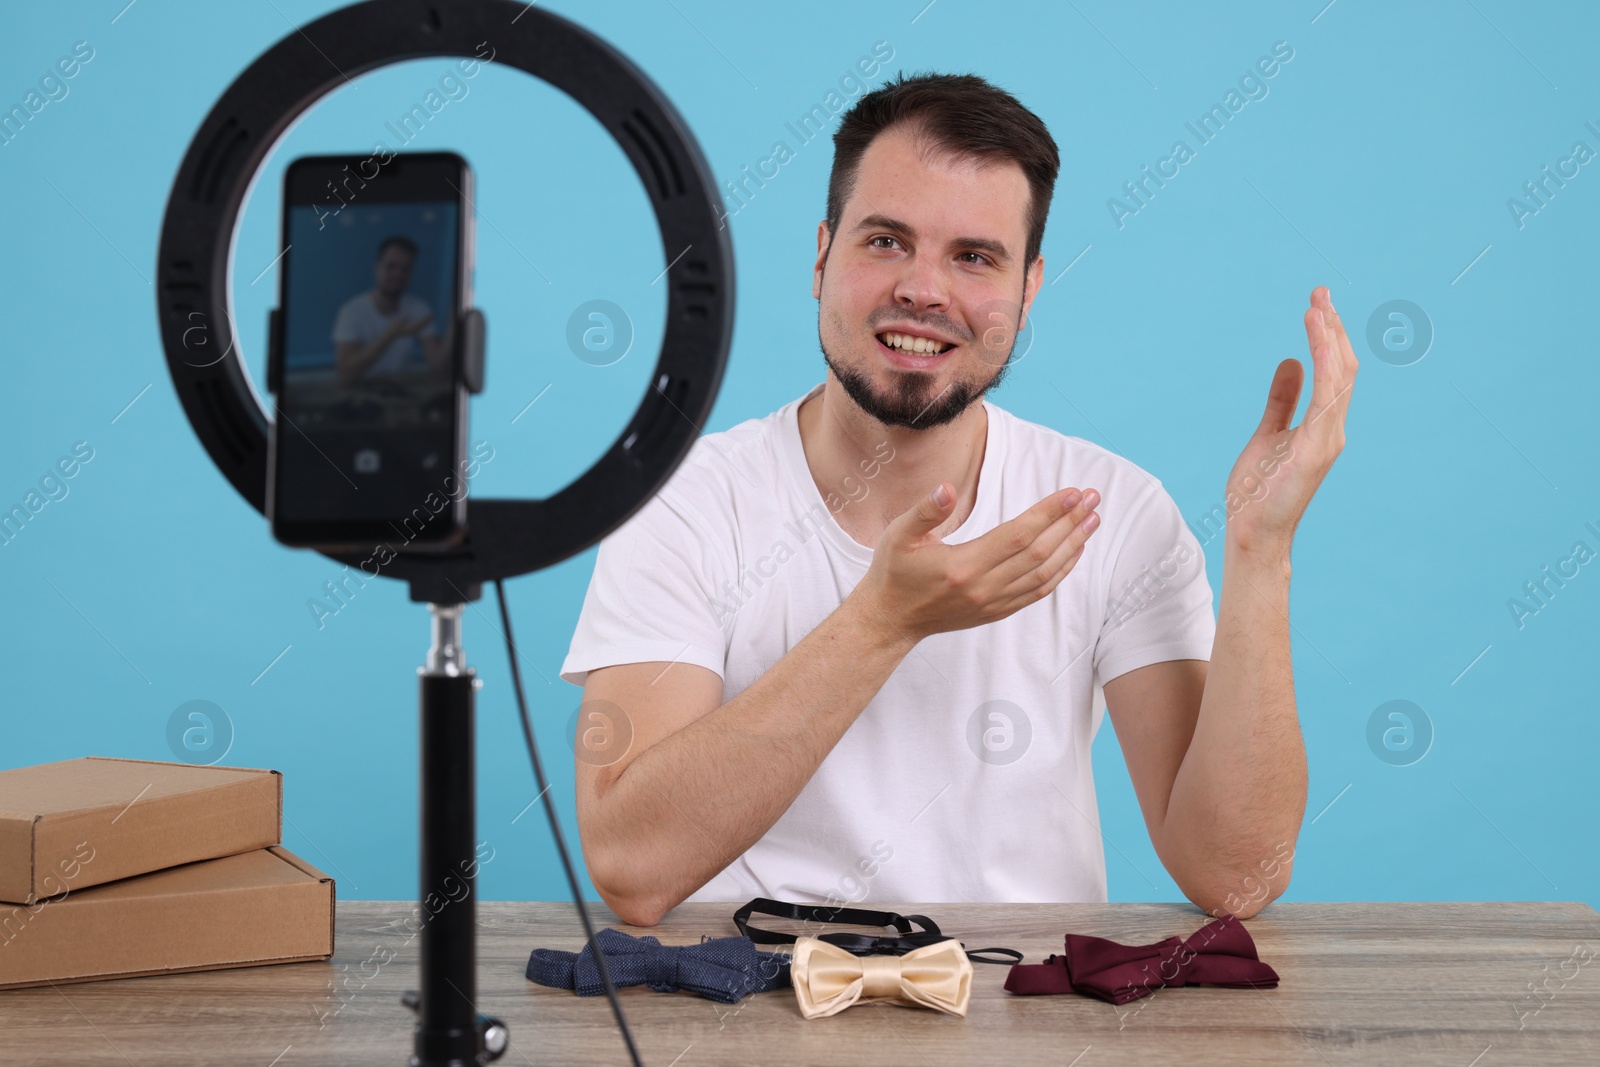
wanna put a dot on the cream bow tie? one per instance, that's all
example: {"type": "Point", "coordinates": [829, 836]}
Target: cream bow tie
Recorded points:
{"type": "Point", "coordinates": [827, 979]}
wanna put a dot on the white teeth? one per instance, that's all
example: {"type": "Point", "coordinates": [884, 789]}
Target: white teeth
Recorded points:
{"type": "Point", "coordinates": [908, 343]}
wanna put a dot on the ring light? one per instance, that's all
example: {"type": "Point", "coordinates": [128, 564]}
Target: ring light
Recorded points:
{"type": "Point", "coordinates": [505, 537]}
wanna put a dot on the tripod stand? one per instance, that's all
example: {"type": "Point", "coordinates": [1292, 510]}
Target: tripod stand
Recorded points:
{"type": "Point", "coordinates": [450, 1031]}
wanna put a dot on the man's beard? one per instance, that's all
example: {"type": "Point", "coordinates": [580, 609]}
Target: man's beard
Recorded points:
{"type": "Point", "coordinates": [908, 402]}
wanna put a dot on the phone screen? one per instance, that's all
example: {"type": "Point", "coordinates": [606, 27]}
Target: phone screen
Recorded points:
{"type": "Point", "coordinates": [369, 429]}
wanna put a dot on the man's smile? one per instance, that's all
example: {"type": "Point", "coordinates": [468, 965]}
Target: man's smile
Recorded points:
{"type": "Point", "coordinates": [912, 351]}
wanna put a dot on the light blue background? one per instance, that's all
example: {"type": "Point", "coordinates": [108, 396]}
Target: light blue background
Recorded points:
{"type": "Point", "coordinates": [1380, 164]}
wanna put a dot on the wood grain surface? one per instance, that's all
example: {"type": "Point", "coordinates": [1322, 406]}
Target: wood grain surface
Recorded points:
{"type": "Point", "coordinates": [1459, 984]}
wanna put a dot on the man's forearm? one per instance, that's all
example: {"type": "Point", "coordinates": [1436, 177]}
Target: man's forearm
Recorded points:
{"type": "Point", "coordinates": [695, 801]}
{"type": "Point", "coordinates": [1240, 794]}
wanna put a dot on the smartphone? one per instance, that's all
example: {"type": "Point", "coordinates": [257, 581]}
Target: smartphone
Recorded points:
{"type": "Point", "coordinates": [369, 429]}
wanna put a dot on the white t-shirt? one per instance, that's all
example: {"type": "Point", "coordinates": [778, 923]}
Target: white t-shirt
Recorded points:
{"type": "Point", "coordinates": [968, 776]}
{"type": "Point", "coordinates": [359, 320]}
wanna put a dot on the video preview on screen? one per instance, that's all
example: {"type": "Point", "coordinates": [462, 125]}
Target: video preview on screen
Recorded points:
{"type": "Point", "coordinates": [369, 318]}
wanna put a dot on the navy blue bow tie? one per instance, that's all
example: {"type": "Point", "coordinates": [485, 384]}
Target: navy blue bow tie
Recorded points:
{"type": "Point", "coordinates": [719, 968]}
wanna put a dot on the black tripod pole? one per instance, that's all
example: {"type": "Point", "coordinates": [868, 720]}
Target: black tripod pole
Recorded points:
{"type": "Point", "coordinates": [449, 1030]}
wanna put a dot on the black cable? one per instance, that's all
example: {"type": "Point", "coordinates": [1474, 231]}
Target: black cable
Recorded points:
{"type": "Point", "coordinates": [555, 828]}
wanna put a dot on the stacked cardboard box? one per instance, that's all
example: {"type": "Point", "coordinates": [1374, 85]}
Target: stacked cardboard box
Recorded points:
{"type": "Point", "coordinates": [111, 868]}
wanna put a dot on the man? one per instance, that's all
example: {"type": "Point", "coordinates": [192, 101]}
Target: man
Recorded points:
{"type": "Point", "coordinates": [850, 650]}
{"type": "Point", "coordinates": [379, 331]}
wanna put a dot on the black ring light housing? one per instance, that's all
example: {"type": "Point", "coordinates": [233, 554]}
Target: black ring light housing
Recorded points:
{"type": "Point", "coordinates": [505, 537]}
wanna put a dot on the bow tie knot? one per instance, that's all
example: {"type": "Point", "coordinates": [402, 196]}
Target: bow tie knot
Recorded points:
{"type": "Point", "coordinates": [880, 977]}
{"type": "Point", "coordinates": [1176, 963]}
{"type": "Point", "coordinates": [660, 967]}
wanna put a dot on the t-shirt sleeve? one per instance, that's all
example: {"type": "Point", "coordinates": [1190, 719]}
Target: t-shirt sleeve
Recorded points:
{"type": "Point", "coordinates": [1158, 602]}
{"type": "Point", "coordinates": [652, 591]}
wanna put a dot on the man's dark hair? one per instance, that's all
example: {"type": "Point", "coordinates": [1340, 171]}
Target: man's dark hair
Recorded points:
{"type": "Point", "coordinates": [955, 115]}
{"type": "Point", "coordinates": [405, 244]}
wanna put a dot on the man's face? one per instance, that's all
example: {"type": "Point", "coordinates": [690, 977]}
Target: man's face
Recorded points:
{"type": "Point", "coordinates": [932, 249]}
{"type": "Point", "coordinates": [393, 271]}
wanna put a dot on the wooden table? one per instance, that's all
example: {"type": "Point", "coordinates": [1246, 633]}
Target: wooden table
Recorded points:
{"type": "Point", "coordinates": [1360, 984]}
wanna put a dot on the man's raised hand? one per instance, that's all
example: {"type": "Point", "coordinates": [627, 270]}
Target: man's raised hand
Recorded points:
{"type": "Point", "coordinates": [1281, 467]}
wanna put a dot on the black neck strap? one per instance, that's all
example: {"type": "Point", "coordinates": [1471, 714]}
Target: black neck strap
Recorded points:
{"type": "Point", "coordinates": [912, 931]}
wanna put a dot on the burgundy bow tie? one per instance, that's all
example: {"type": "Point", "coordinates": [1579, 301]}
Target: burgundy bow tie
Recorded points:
{"type": "Point", "coordinates": [1219, 953]}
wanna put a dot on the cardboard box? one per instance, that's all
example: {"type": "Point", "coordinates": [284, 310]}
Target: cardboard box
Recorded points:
{"type": "Point", "coordinates": [70, 825]}
{"type": "Point", "coordinates": [266, 906]}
